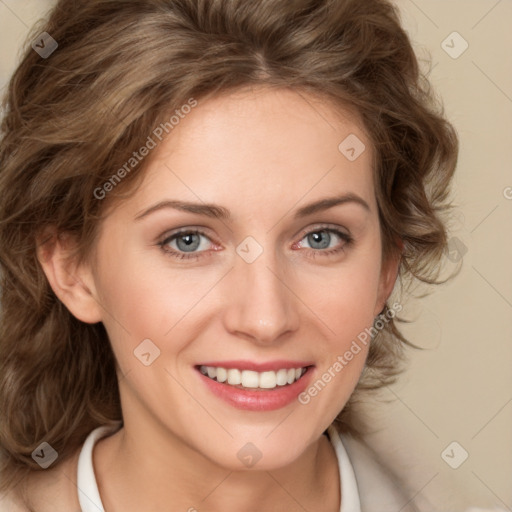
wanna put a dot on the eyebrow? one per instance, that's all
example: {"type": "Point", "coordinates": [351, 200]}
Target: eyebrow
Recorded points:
{"type": "Point", "coordinates": [219, 212]}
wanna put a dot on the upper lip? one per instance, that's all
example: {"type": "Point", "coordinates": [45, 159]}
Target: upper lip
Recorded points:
{"type": "Point", "coordinates": [258, 367]}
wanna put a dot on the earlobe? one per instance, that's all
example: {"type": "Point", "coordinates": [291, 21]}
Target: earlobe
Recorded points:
{"type": "Point", "coordinates": [389, 274]}
{"type": "Point", "coordinates": [72, 284]}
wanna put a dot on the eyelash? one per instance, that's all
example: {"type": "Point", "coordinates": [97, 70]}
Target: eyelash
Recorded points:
{"type": "Point", "coordinates": [315, 252]}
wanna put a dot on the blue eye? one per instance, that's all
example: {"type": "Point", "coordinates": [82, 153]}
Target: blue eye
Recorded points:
{"type": "Point", "coordinates": [321, 240]}
{"type": "Point", "coordinates": [187, 241]}
{"type": "Point", "coordinates": [190, 243]}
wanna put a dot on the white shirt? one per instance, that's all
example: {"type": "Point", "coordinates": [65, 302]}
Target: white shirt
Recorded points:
{"type": "Point", "coordinates": [90, 500]}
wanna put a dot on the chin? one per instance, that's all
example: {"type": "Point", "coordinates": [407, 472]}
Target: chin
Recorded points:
{"type": "Point", "coordinates": [262, 452]}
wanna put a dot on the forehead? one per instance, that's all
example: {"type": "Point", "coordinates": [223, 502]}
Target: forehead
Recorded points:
{"type": "Point", "coordinates": [260, 146]}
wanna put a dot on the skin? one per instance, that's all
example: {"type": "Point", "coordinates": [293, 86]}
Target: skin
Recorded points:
{"type": "Point", "coordinates": [262, 154]}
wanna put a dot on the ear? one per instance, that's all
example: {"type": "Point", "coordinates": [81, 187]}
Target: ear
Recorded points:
{"type": "Point", "coordinates": [71, 283]}
{"type": "Point", "coordinates": [388, 275]}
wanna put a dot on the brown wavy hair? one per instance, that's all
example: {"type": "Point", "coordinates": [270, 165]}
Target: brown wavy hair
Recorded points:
{"type": "Point", "coordinates": [120, 68]}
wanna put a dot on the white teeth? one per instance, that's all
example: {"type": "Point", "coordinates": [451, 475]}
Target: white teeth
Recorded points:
{"type": "Point", "coordinates": [282, 377]}
{"type": "Point", "coordinates": [249, 379]}
{"type": "Point", "coordinates": [252, 379]}
{"type": "Point", "coordinates": [222, 375]}
{"type": "Point", "coordinates": [234, 377]}
{"type": "Point", "coordinates": [268, 380]}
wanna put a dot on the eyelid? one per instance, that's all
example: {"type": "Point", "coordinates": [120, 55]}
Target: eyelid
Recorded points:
{"type": "Point", "coordinates": [171, 235]}
{"type": "Point", "coordinates": [187, 229]}
{"type": "Point", "coordinates": [202, 230]}
{"type": "Point", "coordinates": [322, 227]}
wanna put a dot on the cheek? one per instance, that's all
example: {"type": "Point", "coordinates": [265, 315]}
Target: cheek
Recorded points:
{"type": "Point", "coordinates": [145, 301]}
{"type": "Point", "coordinates": [129, 296]}
{"type": "Point", "coordinates": [344, 301]}
{"type": "Point", "coordinates": [345, 298]}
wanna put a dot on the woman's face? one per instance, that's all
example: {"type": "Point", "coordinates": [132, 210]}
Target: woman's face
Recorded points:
{"type": "Point", "coordinates": [278, 267]}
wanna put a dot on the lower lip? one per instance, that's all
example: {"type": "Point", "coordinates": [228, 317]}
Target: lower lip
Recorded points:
{"type": "Point", "coordinates": [267, 400]}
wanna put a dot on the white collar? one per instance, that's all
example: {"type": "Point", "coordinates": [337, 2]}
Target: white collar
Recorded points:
{"type": "Point", "coordinates": [89, 496]}
{"type": "Point", "coordinates": [348, 483]}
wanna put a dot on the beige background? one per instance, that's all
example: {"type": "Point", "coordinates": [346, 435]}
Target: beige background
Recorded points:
{"type": "Point", "coordinates": [460, 388]}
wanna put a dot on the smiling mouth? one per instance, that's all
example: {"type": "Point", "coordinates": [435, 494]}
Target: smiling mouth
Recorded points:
{"type": "Point", "coordinates": [255, 381]}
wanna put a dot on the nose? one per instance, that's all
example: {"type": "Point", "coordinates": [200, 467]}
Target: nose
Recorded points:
{"type": "Point", "coordinates": [262, 307]}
